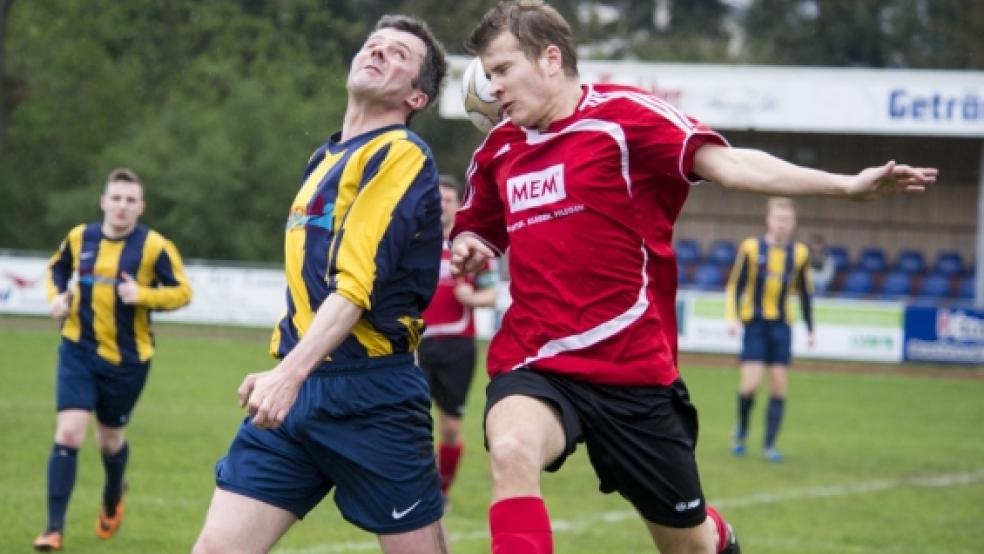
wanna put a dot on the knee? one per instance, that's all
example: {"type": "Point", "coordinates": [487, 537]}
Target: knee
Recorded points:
{"type": "Point", "coordinates": [70, 436]}
{"type": "Point", "coordinates": [512, 458]}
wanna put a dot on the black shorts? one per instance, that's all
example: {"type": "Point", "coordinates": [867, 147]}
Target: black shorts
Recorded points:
{"type": "Point", "coordinates": [449, 363]}
{"type": "Point", "coordinates": [640, 440]}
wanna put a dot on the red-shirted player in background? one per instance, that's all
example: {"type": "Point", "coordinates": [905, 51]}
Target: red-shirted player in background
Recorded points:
{"type": "Point", "coordinates": [583, 183]}
{"type": "Point", "coordinates": [447, 350]}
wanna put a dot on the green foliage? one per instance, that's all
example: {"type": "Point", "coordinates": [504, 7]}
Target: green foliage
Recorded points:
{"type": "Point", "coordinates": [217, 104]}
{"type": "Point", "coordinates": [861, 450]}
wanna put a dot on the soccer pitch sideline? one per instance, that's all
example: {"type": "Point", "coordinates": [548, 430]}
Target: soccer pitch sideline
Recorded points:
{"type": "Point", "coordinates": [874, 462]}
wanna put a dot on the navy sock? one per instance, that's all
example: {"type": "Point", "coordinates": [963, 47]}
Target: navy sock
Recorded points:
{"type": "Point", "coordinates": [773, 419]}
{"type": "Point", "coordinates": [745, 404]}
{"type": "Point", "coordinates": [115, 465]}
{"type": "Point", "coordinates": [62, 467]}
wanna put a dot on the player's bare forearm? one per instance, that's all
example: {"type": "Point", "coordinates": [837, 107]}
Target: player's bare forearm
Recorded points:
{"type": "Point", "coordinates": [757, 171]}
{"type": "Point", "coordinates": [333, 322]}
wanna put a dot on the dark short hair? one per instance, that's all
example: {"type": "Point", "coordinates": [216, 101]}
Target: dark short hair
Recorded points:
{"type": "Point", "coordinates": [535, 26]}
{"type": "Point", "coordinates": [123, 174]}
{"type": "Point", "coordinates": [450, 182]}
{"type": "Point", "coordinates": [434, 66]}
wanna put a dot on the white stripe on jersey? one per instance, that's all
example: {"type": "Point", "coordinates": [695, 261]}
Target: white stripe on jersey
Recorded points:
{"type": "Point", "coordinates": [601, 332]}
{"type": "Point", "coordinates": [614, 130]}
{"type": "Point", "coordinates": [452, 328]}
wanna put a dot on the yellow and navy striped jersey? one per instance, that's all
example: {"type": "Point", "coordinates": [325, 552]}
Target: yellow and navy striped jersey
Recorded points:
{"type": "Point", "coordinates": [763, 278]}
{"type": "Point", "coordinates": [366, 224]}
{"type": "Point", "coordinates": [119, 333]}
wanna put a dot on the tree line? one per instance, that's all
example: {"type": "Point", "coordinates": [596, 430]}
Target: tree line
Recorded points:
{"type": "Point", "coordinates": [218, 104]}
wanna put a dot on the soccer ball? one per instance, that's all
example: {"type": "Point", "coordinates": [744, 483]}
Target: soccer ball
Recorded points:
{"type": "Point", "coordinates": [481, 107]}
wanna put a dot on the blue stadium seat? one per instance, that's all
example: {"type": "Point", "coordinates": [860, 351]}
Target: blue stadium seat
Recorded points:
{"type": "Point", "coordinates": [897, 283]}
{"type": "Point", "coordinates": [683, 274]}
{"type": "Point", "coordinates": [708, 276]}
{"type": "Point", "coordinates": [935, 285]}
{"type": "Point", "coordinates": [722, 252]}
{"type": "Point", "coordinates": [687, 251]}
{"type": "Point", "coordinates": [872, 259]}
{"type": "Point", "coordinates": [858, 282]}
{"type": "Point", "coordinates": [966, 289]}
{"type": "Point", "coordinates": [948, 262]}
{"type": "Point", "coordinates": [840, 256]}
{"type": "Point", "coordinates": [911, 262]}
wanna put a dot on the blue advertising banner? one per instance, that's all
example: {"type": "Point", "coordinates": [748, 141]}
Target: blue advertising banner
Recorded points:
{"type": "Point", "coordinates": [953, 335]}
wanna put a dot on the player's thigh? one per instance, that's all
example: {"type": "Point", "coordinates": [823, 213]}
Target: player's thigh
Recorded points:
{"type": "Point", "coordinates": [241, 524]}
{"type": "Point", "coordinates": [778, 379]}
{"type": "Point", "coordinates": [519, 424]}
{"type": "Point", "coordinates": [751, 376]}
{"type": "Point", "coordinates": [430, 539]}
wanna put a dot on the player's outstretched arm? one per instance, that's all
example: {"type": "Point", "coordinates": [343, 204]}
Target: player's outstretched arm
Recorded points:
{"type": "Point", "coordinates": [757, 171]}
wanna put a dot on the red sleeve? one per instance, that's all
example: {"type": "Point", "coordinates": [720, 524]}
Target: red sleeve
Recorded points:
{"type": "Point", "coordinates": [481, 213]}
{"type": "Point", "coordinates": [664, 138]}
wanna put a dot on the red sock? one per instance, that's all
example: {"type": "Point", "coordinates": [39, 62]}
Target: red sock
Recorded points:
{"type": "Point", "coordinates": [520, 525]}
{"type": "Point", "coordinates": [722, 528]}
{"type": "Point", "coordinates": [448, 456]}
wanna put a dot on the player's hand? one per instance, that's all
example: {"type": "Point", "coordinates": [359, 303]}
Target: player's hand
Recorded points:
{"type": "Point", "coordinates": [468, 255]}
{"type": "Point", "coordinates": [268, 396]}
{"type": "Point", "coordinates": [464, 292]}
{"type": "Point", "coordinates": [811, 339]}
{"type": "Point", "coordinates": [891, 178]}
{"type": "Point", "coordinates": [733, 328]}
{"type": "Point", "coordinates": [61, 305]}
{"type": "Point", "coordinates": [128, 289]}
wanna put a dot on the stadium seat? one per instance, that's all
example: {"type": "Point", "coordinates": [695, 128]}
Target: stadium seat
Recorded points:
{"type": "Point", "coordinates": [840, 256]}
{"type": "Point", "coordinates": [966, 289]}
{"type": "Point", "coordinates": [687, 251]}
{"type": "Point", "coordinates": [948, 262]}
{"type": "Point", "coordinates": [897, 283]}
{"type": "Point", "coordinates": [708, 276]}
{"type": "Point", "coordinates": [911, 262]}
{"type": "Point", "coordinates": [683, 274]}
{"type": "Point", "coordinates": [722, 252]}
{"type": "Point", "coordinates": [858, 282]}
{"type": "Point", "coordinates": [935, 285]}
{"type": "Point", "coordinates": [872, 259]}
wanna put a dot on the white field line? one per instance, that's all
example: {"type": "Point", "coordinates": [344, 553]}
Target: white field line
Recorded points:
{"type": "Point", "coordinates": [586, 522]}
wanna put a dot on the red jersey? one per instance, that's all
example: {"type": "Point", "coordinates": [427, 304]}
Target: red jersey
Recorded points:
{"type": "Point", "coordinates": [445, 316]}
{"type": "Point", "coordinates": [587, 209]}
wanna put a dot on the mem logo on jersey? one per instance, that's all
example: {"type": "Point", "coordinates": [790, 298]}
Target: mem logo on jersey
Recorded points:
{"type": "Point", "coordinates": [534, 189]}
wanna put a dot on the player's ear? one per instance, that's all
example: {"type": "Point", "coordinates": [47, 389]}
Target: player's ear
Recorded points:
{"type": "Point", "coordinates": [417, 100]}
{"type": "Point", "coordinates": [552, 59]}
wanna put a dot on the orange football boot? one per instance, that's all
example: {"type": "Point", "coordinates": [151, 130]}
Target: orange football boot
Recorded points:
{"type": "Point", "coordinates": [48, 541]}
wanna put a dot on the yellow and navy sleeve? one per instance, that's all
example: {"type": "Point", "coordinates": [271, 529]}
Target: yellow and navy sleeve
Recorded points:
{"type": "Point", "coordinates": [62, 263]}
{"type": "Point", "coordinates": [804, 283]}
{"type": "Point", "coordinates": [168, 285]}
{"type": "Point", "coordinates": [380, 223]}
{"type": "Point", "coordinates": [743, 270]}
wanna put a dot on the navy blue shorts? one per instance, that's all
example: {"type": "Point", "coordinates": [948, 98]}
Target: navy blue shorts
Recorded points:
{"type": "Point", "coordinates": [767, 341]}
{"type": "Point", "coordinates": [363, 428]}
{"type": "Point", "coordinates": [88, 382]}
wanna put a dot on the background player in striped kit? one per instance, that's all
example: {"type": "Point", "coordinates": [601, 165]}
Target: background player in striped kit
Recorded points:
{"type": "Point", "coordinates": [767, 271]}
{"type": "Point", "coordinates": [583, 184]}
{"type": "Point", "coordinates": [124, 270]}
{"type": "Point", "coordinates": [447, 349]}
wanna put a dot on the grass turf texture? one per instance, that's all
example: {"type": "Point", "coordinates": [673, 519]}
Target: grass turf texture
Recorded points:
{"type": "Point", "coordinates": [874, 462]}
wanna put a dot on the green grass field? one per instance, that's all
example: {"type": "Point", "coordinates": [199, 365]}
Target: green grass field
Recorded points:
{"type": "Point", "coordinates": [875, 463]}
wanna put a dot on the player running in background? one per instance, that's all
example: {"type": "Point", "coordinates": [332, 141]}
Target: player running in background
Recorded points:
{"type": "Point", "coordinates": [447, 350]}
{"type": "Point", "coordinates": [583, 183]}
{"type": "Point", "coordinates": [124, 270]}
{"type": "Point", "coordinates": [346, 408]}
{"type": "Point", "coordinates": [767, 271]}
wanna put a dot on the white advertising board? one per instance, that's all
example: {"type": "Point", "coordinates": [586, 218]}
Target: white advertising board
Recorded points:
{"type": "Point", "coordinates": [796, 99]}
